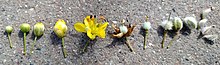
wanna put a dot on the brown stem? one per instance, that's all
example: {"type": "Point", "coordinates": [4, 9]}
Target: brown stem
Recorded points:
{"type": "Point", "coordinates": [174, 38]}
{"type": "Point", "coordinates": [164, 37]}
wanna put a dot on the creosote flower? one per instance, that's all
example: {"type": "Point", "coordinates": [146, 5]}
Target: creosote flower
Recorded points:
{"type": "Point", "coordinates": [190, 22]}
{"type": "Point", "coordinates": [92, 27]}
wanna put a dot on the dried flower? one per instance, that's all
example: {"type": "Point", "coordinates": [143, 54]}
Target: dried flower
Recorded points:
{"type": "Point", "coordinates": [60, 30]}
{"type": "Point", "coordinates": [9, 29]}
{"type": "Point", "coordinates": [190, 22]}
{"type": "Point", "coordinates": [123, 31]}
{"type": "Point", "coordinates": [25, 28]}
{"type": "Point", "coordinates": [38, 31]}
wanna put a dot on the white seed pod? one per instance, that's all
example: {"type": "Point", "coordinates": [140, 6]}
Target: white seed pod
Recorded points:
{"type": "Point", "coordinates": [178, 23]}
{"type": "Point", "coordinates": [211, 37]}
{"type": "Point", "coordinates": [115, 22]}
{"type": "Point", "coordinates": [123, 29]}
{"type": "Point", "coordinates": [205, 12]}
{"type": "Point", "coordinates": [205, 30]}
{"type": "Point", "coordinates": [202, 23]}
{"type": "Point", "coordinates": [167, 25]}
{"type": "Point", "coordinates": [190, 22]}
{"type": "Point", "coordinates": [146, 25]}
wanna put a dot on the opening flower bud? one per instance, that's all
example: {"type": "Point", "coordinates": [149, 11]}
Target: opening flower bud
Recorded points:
{"type": "Point", "coordinates": [123, 29]}
{"type": "Point", "coordinates": [25, 27]}
{"type": "Point", "coordinates": [178, 23]}
{"type": "Point", "coordinates": [205, 30]}
{"type": "Point", "coordinates": [147, 25]}
{"type": "Point", "coordinates": [190, 22]}
{"type": "Point", "coordinates": [60, 28]}
{"type": "Point", "coordinates": [8, 29]}
{"type": "Point", "coordinates": [39, 29]}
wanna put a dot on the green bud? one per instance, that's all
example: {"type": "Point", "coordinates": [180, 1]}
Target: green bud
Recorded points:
{"type": "Point", "coordinates": [25, 27]}
{"type": "Point", "coordinates": [178, 23]}
{"type": "Point", "coordinates": [39, 29]}
{"type": "Point", "coordinates": [8, 29]}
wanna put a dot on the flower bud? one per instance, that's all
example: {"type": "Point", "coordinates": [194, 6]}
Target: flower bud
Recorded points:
{"type": "Point", "coordinates": [8, 29]}
{"type": "Point", "coordinates": [60, 28]}
{"type": "Point", "coordinates": [178, 23]}
{"type": "Point", "coordinates": [123, 29]}
{"type": "Point", "coordinates": [205, 12]}
{"type": "Point", "coordinates": [190, 22]}
{"type": "Point", "coordinates": [39, 29]}
{"type": "Point", "coordinates": [147, 25]}
{"type": "Point", "coordinates": [25, 27]}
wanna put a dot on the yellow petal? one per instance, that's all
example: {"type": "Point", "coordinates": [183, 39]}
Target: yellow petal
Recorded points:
{"type": "Point", "coordinates": [80, 27]}
{"type": "Point", "coordinates": [88, 21]}
{"type": "Point", "coordinates": [101, 34]}
{"type": "Point", "coordinates": [90, 35]}
{"type": "Point", "coordinates": [103, 26]}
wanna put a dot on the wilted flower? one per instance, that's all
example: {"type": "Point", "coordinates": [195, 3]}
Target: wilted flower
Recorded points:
{"type": "Point", "coordinates": [123, 31]}
{"type": "Point", "coordinates": [190, 22]}
{"type": "Point", "coordinates": [38, 31]}
{"type": "Point", "coordinates": [25, 28]}
{"type": "Point", "coordinates": [60, 30]}
{"type": "Point", "coordinates": [9, 29]}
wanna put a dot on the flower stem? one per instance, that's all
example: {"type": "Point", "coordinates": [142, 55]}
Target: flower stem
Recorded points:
{"type": "Point", "coordinates": [24, 43]}
{"type": "Point", "coordinates": [63, 48]}
{"type": "Point", "coordinates": [174, 38]}
{"type": "Point", "coordinates": [9, 39]}
{"type": "Point", "coordinates": [164, 37]}
{"type": "Point", "coordinates": [145, 39]}
{"type": "Point", "coordinates": [32, 48]}
{"type": "Point", "coordinates": [129, 44]}
{"type": "Point", "coordinates": [85, 47]}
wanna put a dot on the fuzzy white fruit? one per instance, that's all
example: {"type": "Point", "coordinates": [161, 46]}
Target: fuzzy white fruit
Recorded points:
{"type": "Point", "coordinates": [167, 25]}
{"type": "Point", "coordinates": [202, 23]}
{"type": "Point", "coordinates": [178, 23]}
{"type": "Point", "coordinates": [190, 22]}
{"type": "Point", "coordinates": [123, 29]}
{"type": "Point", "coordinates": [147, 25]}
{"type": "Point", "coordinates": [205, 30]}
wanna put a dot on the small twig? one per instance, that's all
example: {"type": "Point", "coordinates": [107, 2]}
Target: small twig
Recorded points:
{"type": "Point", "coordinates": [32, 48]}
{"type": "Point", "coordinates": [24, 43]}
{"type": "Point", "coordinates": [174, 38]}
{"type": "Point", "coordinates": [129, 44]}
{"type": "Point", "coordinates": [164, 37]}
{"type": "Point", "coordinates": [85, 47]}
{"type": "Point", "coordinates": [63, 47]}
{"type": "Point", "coordinates": [145, 39]}
{"type": "Point", "coordinates": [9, 39]}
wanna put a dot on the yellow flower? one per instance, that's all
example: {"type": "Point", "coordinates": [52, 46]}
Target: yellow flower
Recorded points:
{"type": "Point", "coordinates": [91, 27]}
{"type": "Point", "coordinates": [60, 28]}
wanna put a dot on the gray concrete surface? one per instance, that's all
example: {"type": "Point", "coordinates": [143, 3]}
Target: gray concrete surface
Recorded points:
{"type": "Point", "coordinates": [186, 50]}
